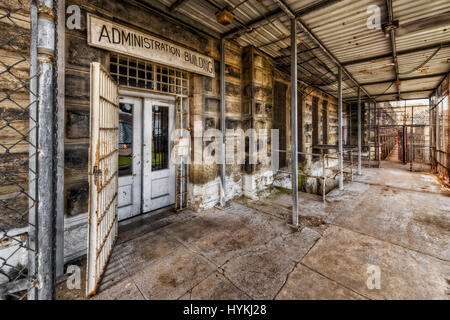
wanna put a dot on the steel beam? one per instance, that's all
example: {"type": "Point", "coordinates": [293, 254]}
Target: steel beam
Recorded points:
{"type": "Point", "coordinates": [405, 92]}
{"type": "Point", "coordinates": [359, 131]}
{"type": "Point", "coordinates": [425, 76]}
{"type": "Point", "coordinates": [399, 53]}
{"type": "Point", "coordinates": [340, 144]}
{"type": "Point", "coordinates": [223, 197]}
{"type": "Point", "coordinates": [433, 22]}
{"type": "Point", "coordinates": [285, 9]}
{"type": "Point", "coordinates": [273, 42]}
{"type": "Point", "coordinates": [294, 135]}
{"type": "Point", "coordinates": [239, 31]}
{"type": "Point", "coordinates": [298, 52]}
{"type": "Point", "coordinates": [176, 4]}
{"type": "Point", "coordinates": [256, 23]}
{"type": "Point", "coordinates": [316, 6]}
{"type": "Point", "coordinates": [390, 13]}
{"type": "Point", "coordinates": [330, 55]}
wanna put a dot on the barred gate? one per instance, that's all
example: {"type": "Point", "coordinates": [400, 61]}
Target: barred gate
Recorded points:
{"type": "Point", "coordinates": [25, 271]}
{"type": "Point", "coordinates": [419, 135]}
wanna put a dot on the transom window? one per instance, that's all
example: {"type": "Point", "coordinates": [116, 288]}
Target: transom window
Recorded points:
{"type": "Point", "coordinates": [135, 73]}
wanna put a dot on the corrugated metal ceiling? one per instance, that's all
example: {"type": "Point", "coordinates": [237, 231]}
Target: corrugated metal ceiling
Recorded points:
{"type": "Point", "coordinates": [342, 27]}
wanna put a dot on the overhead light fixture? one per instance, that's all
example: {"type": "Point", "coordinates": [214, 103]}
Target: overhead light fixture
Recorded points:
{"type": "Point", "coordinates": [225, 16]}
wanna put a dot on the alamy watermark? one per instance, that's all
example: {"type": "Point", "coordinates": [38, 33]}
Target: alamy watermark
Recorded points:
{"type": "Point", "coordinates": [235, 147]}
{"type": "Point", "coordinates": [374, 277]}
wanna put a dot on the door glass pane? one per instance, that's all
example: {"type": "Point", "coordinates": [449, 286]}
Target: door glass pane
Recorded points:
{"type": "Point", "coordinates": [160, 138]}
{"type": "Point", "coordinates": [125, 139]}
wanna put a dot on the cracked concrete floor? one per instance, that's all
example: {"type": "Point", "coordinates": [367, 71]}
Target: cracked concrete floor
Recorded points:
{"type": "Point", "coordinates": [390, 218]}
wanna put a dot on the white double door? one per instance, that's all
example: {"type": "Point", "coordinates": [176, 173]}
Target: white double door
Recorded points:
{"type": "Point", "coordinates": [146, 173]}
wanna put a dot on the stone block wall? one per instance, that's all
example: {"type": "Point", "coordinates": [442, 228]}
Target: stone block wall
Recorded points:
{"type": "Point", "coordinates": [204, 179]}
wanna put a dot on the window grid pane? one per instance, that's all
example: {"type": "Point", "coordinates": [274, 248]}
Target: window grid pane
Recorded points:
{"type": "Point", "coordinates": [135, 73]}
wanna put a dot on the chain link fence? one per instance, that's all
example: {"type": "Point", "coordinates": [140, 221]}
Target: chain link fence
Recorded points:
{"type": "Point", "coordinates": [18, 151]}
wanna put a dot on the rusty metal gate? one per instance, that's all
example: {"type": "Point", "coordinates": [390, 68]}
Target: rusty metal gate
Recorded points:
{"type": "Point", "coordinates": [103, 174]}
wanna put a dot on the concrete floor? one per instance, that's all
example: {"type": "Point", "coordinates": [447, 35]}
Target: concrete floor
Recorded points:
{"type": "Point", "coordinates": [391, 218]}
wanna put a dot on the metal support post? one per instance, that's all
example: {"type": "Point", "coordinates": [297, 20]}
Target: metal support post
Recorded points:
{"type": "Point", "coordinates": [324, 181]}
{"type": "Point", "coordinates": [45, 194]}
{"type": "Point", "coordinates": [369, 130]}
{"type": "Point", "coordinates": [340, 144]}
{"type": "Point", "coordinates": [359, 131]}
{"type": "Point", "coordinates": [412, 139]}
{"type": "Point", "coordinates": [223, 197]}
{"type": "Point", "coordinates": [294, 136]}
{"type": "Point", "coordinates": [378, 141]}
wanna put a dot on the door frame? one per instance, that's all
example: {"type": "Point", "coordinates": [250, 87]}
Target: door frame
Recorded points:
{"type": "Point", "coordinates": [148, 202]}
{"type": "Point", "coordinates": [135, 179]}
{"type": "Point", "coordinates": [147, 99]}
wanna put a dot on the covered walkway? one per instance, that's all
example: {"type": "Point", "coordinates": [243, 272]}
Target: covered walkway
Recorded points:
{"type": "Point", "coordinates": [97, 131]}
{"type": "Point", "coordinates": [389, 217]}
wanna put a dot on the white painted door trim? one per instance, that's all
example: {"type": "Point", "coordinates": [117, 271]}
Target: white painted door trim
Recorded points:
{"type": "Point", "coordinates": [150, 203]}
{"type": "Point", "coordinates": [134, 180]}
{"type": "Point", "coordinates": [148, 100]}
